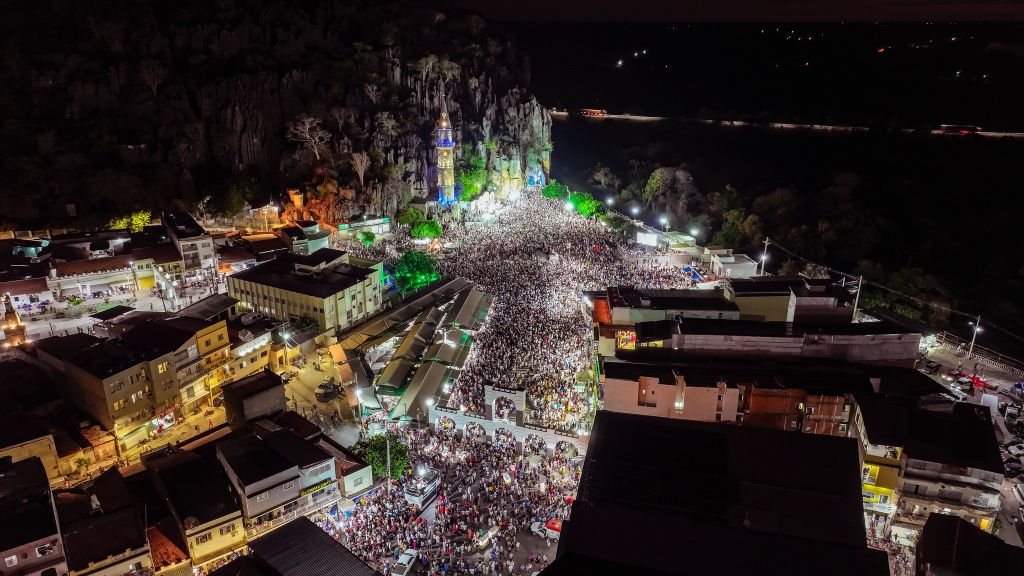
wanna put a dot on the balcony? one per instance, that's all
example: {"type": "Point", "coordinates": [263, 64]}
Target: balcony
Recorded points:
{"type": "Point", "coordinates": [328, 497]}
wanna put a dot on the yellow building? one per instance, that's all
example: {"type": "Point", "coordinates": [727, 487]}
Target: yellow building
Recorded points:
{"type": "Point", "coordinates": [325, 290]}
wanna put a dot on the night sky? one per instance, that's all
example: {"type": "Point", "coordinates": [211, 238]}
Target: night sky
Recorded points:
{"type": "Point", "coordinates": [745, 10]}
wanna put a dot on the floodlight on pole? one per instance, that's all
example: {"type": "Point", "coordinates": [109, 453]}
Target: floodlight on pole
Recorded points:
{"type": "Point", "coordinates": [635, 210]}
{"type": "Point", "coordinates": [974, 335]}
{"type": "Point", "coordinates": [610, 201]}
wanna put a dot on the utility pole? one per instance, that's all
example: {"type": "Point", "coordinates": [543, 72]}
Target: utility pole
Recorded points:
{"type": "Point", "coordinates": [387, 442]}
{"type": "Point", "coordinates": [977, 328]}
{"type": "Point", "coordinates": [764, 256]}
{"type": "Point", "coordinates": [856, 299]}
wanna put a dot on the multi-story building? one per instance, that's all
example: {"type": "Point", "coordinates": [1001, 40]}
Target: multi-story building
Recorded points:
{"type": "Point", "coordinates": [199, 497]}
{"type": "Point", "coordinates": [705, 498]}
{"type": "Point", "coordinates": [326, 288]}
{"type": "Point", "coordinates": [194, 244]}
{"type": "Point", "coordinates": [265, 480]}
{"type": "Point", "coordinates": [104, 531]}
{"type": "Point", "coordinates": [109, 382]}
{"type": "Point", "coordinates": [30, 538]}
{"type": "Point", "coordinates": [659, 390]}
{"type": "Point", "coordinates": [185, 356]}
{"type": "Point", "coordinates": [792, 298]}
{"type": "Point", "coordinates": [943, 462]}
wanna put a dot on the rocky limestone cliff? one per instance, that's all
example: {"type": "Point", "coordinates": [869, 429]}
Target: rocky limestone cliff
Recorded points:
{"type": "Point", "coordinates": [142, 104]}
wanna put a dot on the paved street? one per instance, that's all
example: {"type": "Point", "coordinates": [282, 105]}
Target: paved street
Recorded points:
{"type": "Point", "coordinates": [301, 394]}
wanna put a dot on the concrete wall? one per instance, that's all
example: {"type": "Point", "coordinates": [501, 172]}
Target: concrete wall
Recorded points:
{"type": "Point", "coordinates": [766, 308]}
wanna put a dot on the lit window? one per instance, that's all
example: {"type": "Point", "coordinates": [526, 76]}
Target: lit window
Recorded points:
{"type": "Point", "coordinates": [11, 561]}
{"type": "Point", "coordinates": [204, 538]}
{"type": "Point", "coordinates": [162, 367]}
{"type": "Point", "coordinates": [287, 485]}
{"type": "Point", "coordinates": [262, 497]}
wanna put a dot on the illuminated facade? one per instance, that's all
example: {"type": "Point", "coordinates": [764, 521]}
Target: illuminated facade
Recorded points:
{"type": "Point", "coordinates": [445, 145]}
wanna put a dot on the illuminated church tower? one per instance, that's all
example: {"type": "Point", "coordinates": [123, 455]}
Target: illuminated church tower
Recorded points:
{"type": "Point", "coordinates": [445, 158]}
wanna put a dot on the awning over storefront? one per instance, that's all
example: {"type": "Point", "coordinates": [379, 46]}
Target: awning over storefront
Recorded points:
{"type": "Point", "coordinates": [71, 290]}
{"type": "Point", "coordinates": [100, 287]}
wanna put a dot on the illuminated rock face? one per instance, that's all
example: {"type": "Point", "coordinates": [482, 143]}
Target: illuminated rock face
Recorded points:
{"type": "Point", "coordinates": [445, 158]}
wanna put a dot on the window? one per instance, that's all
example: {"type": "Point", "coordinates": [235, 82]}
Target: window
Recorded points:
{"type": "Point", "coordinates": [357, 481]}
{"type": "Point", "coordinates": [161, 368]}
{"type": "Point", "coordinates": [718, 417]}
{"type": "Point", "coordinates": [10, 561]}
{"type": "Point", "coordinates": [287, 485]}
{"type": "Point", "coordinates": [135, 567]}
{"type": "Point", "coordinates": [190, 392]}
{"type": "Point", "coordinates": [220, 336]}
{"type": "Point", "coordinates": [262, 497]}
{"type": "Point", "coordinates": [252, 360]}
{"type": "Point", "coordinates": [207, 341]}
{"type": "Point", "coordinates": [263, 354]}
{"type": "Point", "coordinates": [116, 386]}
{"type": "Point", "coordinates": [44, 550]}
{"type": "Point", "coordinates": [119, 405]}
{"type": "Point", "coordinates": [204, 537]}
{"type": "Point", "coordinates": [227, 529]}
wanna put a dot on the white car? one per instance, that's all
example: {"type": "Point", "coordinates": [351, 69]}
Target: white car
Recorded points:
{"type": "Point", "coordinates": [404, 563]}
{"type": "Point", "coordinates": [1016, 450]}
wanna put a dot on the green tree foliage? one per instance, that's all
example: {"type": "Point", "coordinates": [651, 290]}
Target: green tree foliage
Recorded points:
{"type": "Point", "coordinates": [731, 232]}
{"type": "Point", "coordinates": [410, 216]}
{"type": "Point", "coordinates": [233, 198]}
{"type": "Point", "coordinates": [366, 237]}
{"type": "Point", "coordinates": [134, 221]}
{"type": "Point", "coordinates": [555, 190]}
{"type": "Point", "coordinates": [585, 204]}
{"type": "Point", "coordinates": [472, 175]}
{"type": "Point", "coordinates": [426, 229]}
{"type": "Point", "coordinates": [414, 270]}
{"type": "Point", "coordinates": [374, 450]}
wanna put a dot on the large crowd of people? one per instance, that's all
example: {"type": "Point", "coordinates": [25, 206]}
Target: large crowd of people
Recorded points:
{"type": "Point", "coordinates": [490, 493]}
{"type": "Point", "coordinates": [537, 259]}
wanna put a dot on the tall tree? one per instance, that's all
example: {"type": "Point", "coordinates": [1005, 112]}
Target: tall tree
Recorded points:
{"type": "Point", "coordinates": [360, 162]}
{"type": "Point", "coordinates": [306, 130]}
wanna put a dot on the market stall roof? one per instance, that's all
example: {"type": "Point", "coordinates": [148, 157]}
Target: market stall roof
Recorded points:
{"type": "Point", "coordinates": [394, 375]}
{"type": "Point", "coordinates": [415, 342]}
{"type": "Point", "coordinates": [422, 391]}
{"type": "Point", "coordinates": [111, 313]}
{"type": "Point", "coordinates": [451, 348]}
{"type": "Point", "coordinates": [469, 309]}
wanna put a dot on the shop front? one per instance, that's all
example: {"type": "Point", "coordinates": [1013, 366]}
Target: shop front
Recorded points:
{"type": "Point", "coordinates": [163, 421]}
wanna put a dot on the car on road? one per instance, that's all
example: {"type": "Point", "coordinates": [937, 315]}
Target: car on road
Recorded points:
{"type": "Point", "coordinates": [1017, 450]}
{"type": "Point", "coordinates": [551, 529]}
{"type": "Point", "coordinates": [930, 367]}
{"type": "Point", "coordinates": [404, 563]}
{"type": "Point", "coordinates": [1013, 469]}
{"type": "Point", "coordinates": [327, 391]}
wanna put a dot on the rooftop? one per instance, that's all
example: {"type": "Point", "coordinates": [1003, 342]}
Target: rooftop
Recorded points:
{"type": "Point", "coordinates": [94, 534]}
{"type": "Point", "coordinates": [786, 329]}
{"type": "Point", "coordinates": [64, 347]}
{"type": "Point", "coordinates": [790, 502]}
{"type": "Point", "coordinates": [254, 384]}
{"type": "Point", "coordinates": [196, 487]}
{"type": "Point", "coordinates": [961, 438]}
{"type": "Point", "coordinates": [26, 513]}
{"type": "Point", "coordinates": [960, 548]}
{"type": "Point", "coordinates": [182, 225]}
{"type": "Point", "coordinates": [209, 307]}
{"type": "Point", "coordinates": [301, 548]}
{"type": "Point", "coordinates": [284, 273]}
{"type": "Point", "coordinates": [295, 449]}
{"type": "Point", "coordinates": [251, 459]}
{"type": "Point", "coordinates": [107, 358]}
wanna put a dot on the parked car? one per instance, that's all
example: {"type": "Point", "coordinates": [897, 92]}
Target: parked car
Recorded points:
{"type": "Point", "coordinates": [1012, 413]}
{"type": "Point", "coordinates": [327, 391]}
{"type": "Point", "coordinates": [404, 563]}
{"type": "Point", "coordinates": [1013, 469]}
{"type": "Point", "coordinates": [931, 367]}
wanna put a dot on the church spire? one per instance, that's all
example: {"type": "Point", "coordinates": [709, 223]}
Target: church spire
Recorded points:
{"type": "Point", "coordinates": [445, 146]}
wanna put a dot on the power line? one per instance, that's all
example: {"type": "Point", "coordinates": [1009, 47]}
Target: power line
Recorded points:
{"type": "Point", "coordinates": [898, 293]}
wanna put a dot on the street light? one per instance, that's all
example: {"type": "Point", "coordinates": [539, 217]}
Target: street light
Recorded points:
{"type": "Point", "coordinates": [610, 201]}
{"type": "Point", "coordinates": [664, 222]}
{"type": "Point", "coordinates": [974, 336]}
{"type": "Point", "coordinates": [635, 210]}
{"type": "Point", "coordinates": [694, 232]}
{"type": "Point", "coordinates": [568, 205]}
{"type": "Point", "coordinates": [764, 257]}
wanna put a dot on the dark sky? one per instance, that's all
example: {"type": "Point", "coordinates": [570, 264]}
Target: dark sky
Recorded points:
{"type": "Point", "coordinates": [745, 10]}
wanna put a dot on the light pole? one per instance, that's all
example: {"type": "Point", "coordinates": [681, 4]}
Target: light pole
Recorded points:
{"type": "Point", "coordinates": [763, 258]}
{"type": "Point", "coordinates": [610, 201]}
{"type": "Point", "coordinates": [635, 211]}
{"type": "Point", "coordinates": [977, 328]}
{"type": "Point", "coordinates": [664, 222]}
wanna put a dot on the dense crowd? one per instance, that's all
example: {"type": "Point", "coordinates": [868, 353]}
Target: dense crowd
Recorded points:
{"type": "Point", "coordinates": [489, 492]}
{"type": "Point", "coordinates": [537, 259]}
